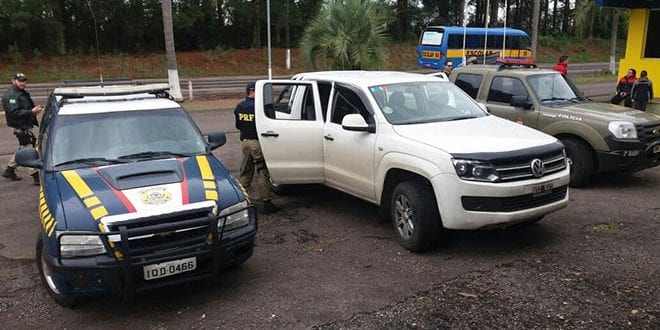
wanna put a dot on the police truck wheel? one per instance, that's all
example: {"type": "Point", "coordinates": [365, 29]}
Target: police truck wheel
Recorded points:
{"type": "Point", "coordinates": [582, 161]}
{"type": "Point", "coordinates": [46, 278]}
{"type": "Point", "coordinates": [415, 215]}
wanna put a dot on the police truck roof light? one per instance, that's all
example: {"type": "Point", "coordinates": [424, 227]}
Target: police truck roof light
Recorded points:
{"type": "Point", "coordinates": [531, 62]}
{"type": "Point", "coordinates": [76, 92]}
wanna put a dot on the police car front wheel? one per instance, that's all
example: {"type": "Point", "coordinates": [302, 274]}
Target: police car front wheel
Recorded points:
{"type": "Point", "coordinates": [48, 279]}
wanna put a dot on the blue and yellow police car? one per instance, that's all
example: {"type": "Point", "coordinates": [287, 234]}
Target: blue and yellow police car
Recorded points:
{"type": "Point", "coordinates": [131, 196]}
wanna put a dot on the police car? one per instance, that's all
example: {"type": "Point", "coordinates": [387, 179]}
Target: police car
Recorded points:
{"type": "Point", "coordinates": [132, 197]}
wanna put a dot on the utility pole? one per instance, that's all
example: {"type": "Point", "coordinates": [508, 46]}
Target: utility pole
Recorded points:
{"type": "Point", "coordinates": [172, 72]}
{"type": "Point", "coordinates": [613, 36]}
{"type": "Point", "coordinates": [535, 26]}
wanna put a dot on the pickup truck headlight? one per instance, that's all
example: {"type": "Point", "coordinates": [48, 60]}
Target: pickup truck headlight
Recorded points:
{"type": "Point", "coordinates": [622, 129]}
{"type": "Point", "coordinates": [237, 215]}
{"type": "Point", "coordinates": [475, 170]}
{"type": "Point", "coordinates": [72, 246]}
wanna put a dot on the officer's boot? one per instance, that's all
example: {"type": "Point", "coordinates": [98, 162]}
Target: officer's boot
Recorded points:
{"type": "Point", "coordinates": [35, 179]}
{"type": "Point", "coordinates": [10, 173]}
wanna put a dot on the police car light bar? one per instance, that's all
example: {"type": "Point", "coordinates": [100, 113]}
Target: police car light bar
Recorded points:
{"type": "Point", "coordinates": [530, 62]}
{"type": "Point", "coordinates": [77, 92]}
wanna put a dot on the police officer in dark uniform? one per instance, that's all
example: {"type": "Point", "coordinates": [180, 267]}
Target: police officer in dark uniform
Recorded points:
{"type": "Point", "coordinates": [21, 114]}
{"type": "Point", "coordinates": [253, 158]}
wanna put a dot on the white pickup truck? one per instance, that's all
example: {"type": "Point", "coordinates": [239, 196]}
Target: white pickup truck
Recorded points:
{"type": "Point", "coordinates": [415, 145]}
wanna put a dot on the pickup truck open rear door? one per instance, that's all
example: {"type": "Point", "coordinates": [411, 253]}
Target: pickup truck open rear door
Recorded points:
{"type": "Point", "coordinates": [290, 129]}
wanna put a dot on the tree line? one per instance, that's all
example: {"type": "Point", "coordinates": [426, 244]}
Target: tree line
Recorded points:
{"type": "Point", "coordinates": [59, 27]}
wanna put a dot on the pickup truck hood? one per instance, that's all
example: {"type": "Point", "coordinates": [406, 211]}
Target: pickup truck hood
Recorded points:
{"type": "Point", "coordinates": [156, 186]}
{"type": "Point", "coordinates": [603, 111]}
{"type": "Point", "coordinates": [484, 134]}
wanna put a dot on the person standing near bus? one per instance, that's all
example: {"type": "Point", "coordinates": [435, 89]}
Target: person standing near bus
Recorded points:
{"type": "Point", "coordinates": [562, 65]}
{"type": "Point", "coordinates": [449, 65]}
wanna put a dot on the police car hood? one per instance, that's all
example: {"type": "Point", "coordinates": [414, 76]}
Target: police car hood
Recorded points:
{"type": "Point", "coordinates": [601, 111]}
{"type": "Point", "coordinates": [146, 188]}
{"type": "Point", "coordinates": [483, 134]}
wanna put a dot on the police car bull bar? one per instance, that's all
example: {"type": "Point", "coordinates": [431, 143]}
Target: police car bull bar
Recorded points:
{"type": "Point", "coordinates": [125, 261]}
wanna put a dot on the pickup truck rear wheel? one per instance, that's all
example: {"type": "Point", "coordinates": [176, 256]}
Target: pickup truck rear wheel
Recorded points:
{"type": "Point", "coordinates": [415, 216]}
{"type": "Point", "coordinates": [50, 283]}
{"type": "Point", "coordinates": [582, 167]}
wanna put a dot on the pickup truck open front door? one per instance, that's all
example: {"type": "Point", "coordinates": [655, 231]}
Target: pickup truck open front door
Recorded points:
{"type": "Point", "coordinates": [290, 129]}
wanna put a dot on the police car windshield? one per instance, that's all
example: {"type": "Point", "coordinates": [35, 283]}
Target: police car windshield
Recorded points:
{"type": "Point", "coordinates": [119, 135]}
{"type": "Point", "coordinates": [424, 102]}
{"type": "Point", "coordinates": [552, 88]}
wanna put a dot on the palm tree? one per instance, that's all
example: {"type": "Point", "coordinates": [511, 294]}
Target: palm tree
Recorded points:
{"type": "Point", "coordinates": [347, 34]}
{"type": "Point", "coordinates": [172, 72]}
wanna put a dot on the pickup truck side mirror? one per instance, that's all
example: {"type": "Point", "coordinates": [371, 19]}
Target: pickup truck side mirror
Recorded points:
{"type": "Point", "coordinates": [355, 122]}
{"type": "Point", "coordinates": [28, 157]}
{"type": "Point", "coordinates": [521, 102]}
{"type": "Point", "coordinates": [217, 139]}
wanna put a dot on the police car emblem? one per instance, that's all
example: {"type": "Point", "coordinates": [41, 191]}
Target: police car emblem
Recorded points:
{"type": "Point", "coordinates": [155, 196]}
{"type": "Point", "coordinates": [538, 168]}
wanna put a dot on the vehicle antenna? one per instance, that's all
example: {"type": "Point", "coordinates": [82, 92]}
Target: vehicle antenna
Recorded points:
{"type": "Point", "coordinates": [98, 49]}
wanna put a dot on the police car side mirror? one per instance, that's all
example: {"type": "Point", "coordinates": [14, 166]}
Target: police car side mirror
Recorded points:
{"type": "Point", "coordinates": [28, 157]}
{"type": "Point", "coordinates": [217, 139]}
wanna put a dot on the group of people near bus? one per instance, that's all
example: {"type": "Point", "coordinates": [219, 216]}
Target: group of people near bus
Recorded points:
{"type": "Point", "coordinates": [632, 91]}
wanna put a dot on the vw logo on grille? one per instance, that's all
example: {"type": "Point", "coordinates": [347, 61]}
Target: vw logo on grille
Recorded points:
{"type": "Point", "coordinates": [538, 168]}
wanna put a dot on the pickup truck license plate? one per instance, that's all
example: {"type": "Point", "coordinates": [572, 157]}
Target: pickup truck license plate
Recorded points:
{"type": "Point", "coordinates": [169, 268]}
{"type": "Point", "coordinates": [656, 149]}
{"type": "Point", "coordinates": [542, 189]}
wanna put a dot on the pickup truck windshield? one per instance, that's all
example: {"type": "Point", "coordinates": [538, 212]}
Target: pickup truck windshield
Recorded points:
{"type": "Point", "coordinates": [424, 102]}
{"type": "Point", "coordinates": [552, 87]}
{"type": "Point", "coordinates": [107, 138]}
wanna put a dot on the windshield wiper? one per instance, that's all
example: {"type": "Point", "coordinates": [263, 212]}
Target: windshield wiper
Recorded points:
{"type": "Point", "coordinates": [555, 99]}
{"type": "Point", "coordinates": [153, 154]}
{"type": "Point", "coordinates": [91, 161]}
{"type": "Point", "coordinates": [460, 118]}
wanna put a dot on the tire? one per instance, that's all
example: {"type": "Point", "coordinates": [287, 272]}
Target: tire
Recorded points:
{"type": "Point", "coordinates": [51, 287]}
{"type": "Point", "coordinates": [415, 216]}
{"type": "Point", "coordinates": [582, 165]}
{"type": "Point", "coordinates": [280, 189]}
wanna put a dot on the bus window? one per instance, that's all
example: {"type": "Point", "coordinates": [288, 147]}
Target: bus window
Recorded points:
{"type": "Point", "coordinates": [431, 38]}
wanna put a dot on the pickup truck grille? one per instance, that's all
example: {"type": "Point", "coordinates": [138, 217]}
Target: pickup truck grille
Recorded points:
{"type": "Point", "coordinates": [512, 204]}
{"type": "Point", "coordinates": [648, 133]}
{"type": "Point", "coordinates": [154, 237]}
{"type": "Point", "coordinates": [520, 168]}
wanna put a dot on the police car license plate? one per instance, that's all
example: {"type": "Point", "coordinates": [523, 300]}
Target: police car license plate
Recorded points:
{"type": "Point", "coordinates": [169, 268]}
{"type": "Point", "coordinates": [656, 149]}
{"type": "Point", "coordinates": [542, 189]}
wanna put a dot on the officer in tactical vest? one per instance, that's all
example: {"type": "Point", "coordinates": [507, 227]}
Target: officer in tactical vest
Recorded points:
{"type": "Point", "coordinates": [253, 159]}
{"type": "Point", "coordinates": [21, 115]}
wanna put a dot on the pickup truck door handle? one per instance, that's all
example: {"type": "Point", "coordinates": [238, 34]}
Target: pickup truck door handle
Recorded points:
{"type": "Point", "coordinates": [328, 137]}
{"type": "Point", "coordinates": [270, 133]}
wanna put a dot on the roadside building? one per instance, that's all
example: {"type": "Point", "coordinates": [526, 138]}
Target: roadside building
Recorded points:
{"type": "Point", "coordinates": [642, 48]}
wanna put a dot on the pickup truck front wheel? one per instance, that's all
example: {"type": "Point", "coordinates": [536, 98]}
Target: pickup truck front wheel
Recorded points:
{"type": "Point", "coordinates": [582, 167]}
{"type": "Point", "coordinates": [48, 279]}
{"type": "Point", "coordinates": [415, 216]}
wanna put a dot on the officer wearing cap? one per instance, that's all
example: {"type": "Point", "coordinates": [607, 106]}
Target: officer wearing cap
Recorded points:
{"type": "Point", "coordinates": [253, 159]}
{"type": "Point", "coordinates": [21, 114]}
